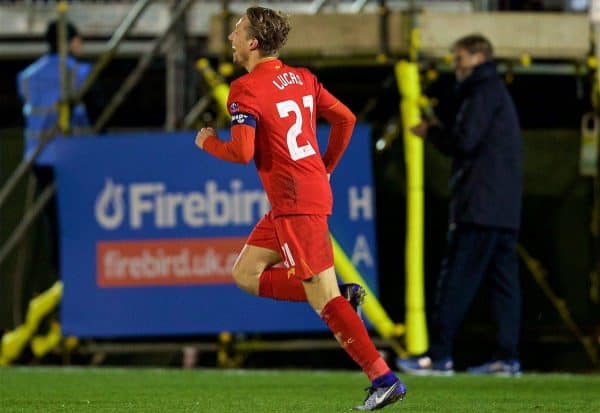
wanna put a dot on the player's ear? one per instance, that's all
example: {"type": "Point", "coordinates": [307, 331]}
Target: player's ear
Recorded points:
{"type": "Point", "coordinates": [253, 44]}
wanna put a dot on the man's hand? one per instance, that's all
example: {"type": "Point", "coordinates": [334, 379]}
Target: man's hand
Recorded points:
{"type": "Point", "coordinates": [421, 129]}
{"type": "Point", "coordinates": [202, 135]}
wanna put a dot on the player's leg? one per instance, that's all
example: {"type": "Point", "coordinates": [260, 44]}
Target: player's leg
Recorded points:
{"type": "Point", "coordinates": [308, 253]}
{"type": "Point", "coordinates": [250, 264]}
{"type": "Point", "coordinates": [323, 295]}
{"type": "Point", "coordinates": [255, 269]}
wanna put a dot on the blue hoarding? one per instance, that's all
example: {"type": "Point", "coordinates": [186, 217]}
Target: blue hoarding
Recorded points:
{"type": "Point", "coordinates": [150, 227]}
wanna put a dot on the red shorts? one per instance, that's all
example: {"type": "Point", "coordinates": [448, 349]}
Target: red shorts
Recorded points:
{"type": "Point", "coordinates": [302, 241]}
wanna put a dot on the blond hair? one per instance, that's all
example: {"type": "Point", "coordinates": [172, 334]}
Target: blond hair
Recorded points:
{"type": "Point", "coordinates": [269, 27]}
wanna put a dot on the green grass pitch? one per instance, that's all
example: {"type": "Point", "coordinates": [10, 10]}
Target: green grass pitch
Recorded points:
{"type": "Point", "coordinates": [297, 391]}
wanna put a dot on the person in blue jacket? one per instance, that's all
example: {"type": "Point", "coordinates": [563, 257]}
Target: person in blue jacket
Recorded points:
{"type": "Point", "coordinates": [485, 145]}
{"type": "Point", "coordinates": [39, 86]}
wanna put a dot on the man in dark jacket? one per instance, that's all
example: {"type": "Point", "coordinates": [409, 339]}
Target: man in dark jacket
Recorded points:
{"type": "Point", "coordinates": [485, 206]}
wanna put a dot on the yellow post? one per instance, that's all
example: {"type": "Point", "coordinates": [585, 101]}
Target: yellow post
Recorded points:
{"type": "Point", "coordinates": [13, 342]}
{"type": "Point", "coordinates": [407, 76]}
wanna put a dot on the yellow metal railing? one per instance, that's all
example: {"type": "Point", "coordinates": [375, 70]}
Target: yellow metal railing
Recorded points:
{"type": "Point", "coordinates": [13, 342]}
{"type": "Point", "coordinates": [219, 88]}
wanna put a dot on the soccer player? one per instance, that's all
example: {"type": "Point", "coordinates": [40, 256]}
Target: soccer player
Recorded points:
{"type": "Point", "coordinates": [274, 109]}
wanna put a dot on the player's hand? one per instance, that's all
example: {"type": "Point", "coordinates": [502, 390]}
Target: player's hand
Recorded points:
{"type": "Point", "coordinates": [202, 135]}
{"type": "Point", "coordinates": [329, 177]}
{"type": "Point", "coordinates": [420, 130]}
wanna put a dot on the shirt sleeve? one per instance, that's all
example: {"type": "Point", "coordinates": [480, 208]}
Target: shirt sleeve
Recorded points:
{"type": "Point", "coordinates": [242, 100]}
{"type": "Point", "coordinates": [342, 122]}
{"type": "Point", "coordinates": [239, 149]}
{"type": "Point", "coordinates": [241, 104]}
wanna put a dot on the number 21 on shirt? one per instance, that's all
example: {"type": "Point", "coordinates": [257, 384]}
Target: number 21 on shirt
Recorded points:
{"type": "Point", "coordinates": [290, 106]}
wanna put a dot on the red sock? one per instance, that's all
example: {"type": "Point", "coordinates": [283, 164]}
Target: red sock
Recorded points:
{"type": "Point", "coordinates": [275, 283]}
{"type": "Point", "coordinates": [352, 335]}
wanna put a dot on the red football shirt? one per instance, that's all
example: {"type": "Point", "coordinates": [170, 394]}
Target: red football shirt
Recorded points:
{"type": "Point", "coordinates": [283, 104]}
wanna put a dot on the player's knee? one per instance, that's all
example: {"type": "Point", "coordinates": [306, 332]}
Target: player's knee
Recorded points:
{"type": "Point", "coordinates": [244, 279]}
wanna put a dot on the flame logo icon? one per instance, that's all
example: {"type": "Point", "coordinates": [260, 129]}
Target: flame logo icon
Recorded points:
{"type": "Point", "coordinates": [109, 207]}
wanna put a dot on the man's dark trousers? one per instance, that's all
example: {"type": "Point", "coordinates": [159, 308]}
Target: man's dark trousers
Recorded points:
{"type": "Point", "coordinates": [478, 253]}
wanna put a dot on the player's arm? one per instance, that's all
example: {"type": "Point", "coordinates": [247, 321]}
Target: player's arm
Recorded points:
{"type": "Point", "coordinates": [342, 122]}
{"type": "Point", "coordinates": [239, 149]}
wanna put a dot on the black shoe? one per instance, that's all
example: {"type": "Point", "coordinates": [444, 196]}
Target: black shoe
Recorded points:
{"type": "Point", "coordinates": [354, 293]}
